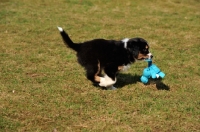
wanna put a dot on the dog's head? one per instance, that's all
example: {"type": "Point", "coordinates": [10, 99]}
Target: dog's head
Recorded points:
{"type": "Point", "coordinates": [139, 48]}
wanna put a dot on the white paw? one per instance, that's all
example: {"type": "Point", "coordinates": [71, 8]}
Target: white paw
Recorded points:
{"type": "Point", "coordinates": [102, 82]}
{"type": "Point", "coordinates": [106, 81]}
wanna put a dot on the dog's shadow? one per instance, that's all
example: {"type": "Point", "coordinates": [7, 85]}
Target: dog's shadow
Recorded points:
{"type": "Point", "coordinates": [127, 79]}
{"type": "Point", "coordinates": [159, 84]}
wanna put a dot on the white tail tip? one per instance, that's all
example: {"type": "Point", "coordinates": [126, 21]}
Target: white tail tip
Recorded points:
{"type": "Point", "coordinates": [60, 29]}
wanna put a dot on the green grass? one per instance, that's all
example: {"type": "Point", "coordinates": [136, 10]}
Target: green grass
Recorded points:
{"type": "Point", "coordinates": [43, 88]}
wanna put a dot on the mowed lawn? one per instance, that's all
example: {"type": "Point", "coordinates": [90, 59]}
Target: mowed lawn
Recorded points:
{"type": "Point", "coordinates": [44, 89]}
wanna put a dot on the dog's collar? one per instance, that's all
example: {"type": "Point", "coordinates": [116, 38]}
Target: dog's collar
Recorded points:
{"type": "Point", "coordinates": [125, 42]}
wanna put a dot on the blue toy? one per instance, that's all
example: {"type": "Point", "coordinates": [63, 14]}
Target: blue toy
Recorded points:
{"type": "Point", "coordinates": [151, 71]}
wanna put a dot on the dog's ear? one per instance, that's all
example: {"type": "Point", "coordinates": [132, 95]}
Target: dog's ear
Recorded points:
{"type": "Point", "coordinates": [133, 48]}
{"type": "Point", "coordinates": [137, 43]}
{"type": "Point", "coordinates": [133, 44]}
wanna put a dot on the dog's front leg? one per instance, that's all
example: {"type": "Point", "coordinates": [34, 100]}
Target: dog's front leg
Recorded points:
{"type": "Point", "coordinates": [124, 67]}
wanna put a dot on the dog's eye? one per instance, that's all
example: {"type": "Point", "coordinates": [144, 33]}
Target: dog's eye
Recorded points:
{"type": "Point", "coordinates": [145, 51]}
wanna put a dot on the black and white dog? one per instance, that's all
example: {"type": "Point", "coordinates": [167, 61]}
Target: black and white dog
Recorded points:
{"type": "Point", "coordinates": [109, 55]}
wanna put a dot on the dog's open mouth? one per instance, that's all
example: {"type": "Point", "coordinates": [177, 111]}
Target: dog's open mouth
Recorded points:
{"type": "Point", "coordinates": [145, 57]}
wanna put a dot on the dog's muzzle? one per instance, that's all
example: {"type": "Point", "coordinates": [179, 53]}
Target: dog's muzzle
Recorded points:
{"type": "Point", "coordinates": [150, 56]}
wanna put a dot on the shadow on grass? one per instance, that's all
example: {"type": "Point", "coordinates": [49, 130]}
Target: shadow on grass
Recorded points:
{"type": "Point", "coordinates": [128, 79]}
{"type": "Point", "coordinates": [123, 80]}
{"type": "Point", "coordinates": [159, 84]}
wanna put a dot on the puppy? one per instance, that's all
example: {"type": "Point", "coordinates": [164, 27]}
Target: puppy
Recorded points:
{"type": "Point", "coordinates": [111, 56]}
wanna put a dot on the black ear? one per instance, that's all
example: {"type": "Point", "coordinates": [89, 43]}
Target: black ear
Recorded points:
{"type": "Point", "coordinates": [135, 51]}
{"type": "Point", "coordinates": [138, 40]}
{"type": "Point", "coordinates": [133, 43]}
{"type": "Point", "coordinates": [133, 48]}
{"type": "Point", "coordinates": [137, 43]}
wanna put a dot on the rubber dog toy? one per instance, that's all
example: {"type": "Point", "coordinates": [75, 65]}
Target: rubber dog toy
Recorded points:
{"type": "Point", "coordinates": [152, 71]}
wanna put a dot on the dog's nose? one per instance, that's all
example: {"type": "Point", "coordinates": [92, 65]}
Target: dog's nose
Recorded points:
{"type": "Point", "coordinates": [150, 56]}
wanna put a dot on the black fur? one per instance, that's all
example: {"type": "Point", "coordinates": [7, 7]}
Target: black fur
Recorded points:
{"type": "Point", "coordinates": [107, 55]}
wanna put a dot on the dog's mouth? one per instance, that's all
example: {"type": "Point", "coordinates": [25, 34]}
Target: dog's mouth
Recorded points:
{"type": "Point", "coordinates": [144, 56]}
{"type": "Point", "coordinates": [140, 59]}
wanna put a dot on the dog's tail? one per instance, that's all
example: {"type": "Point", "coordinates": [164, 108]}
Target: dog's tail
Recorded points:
{"type": "Point", "coordinates": [68, 42]}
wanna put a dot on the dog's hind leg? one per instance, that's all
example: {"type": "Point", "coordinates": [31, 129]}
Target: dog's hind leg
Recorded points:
{"type": "Point", "coordinates": [93, 72]}
{"type": "Point", "coordinates": [107, 82]}
{"type": "Point", "coordinates": [110, 78]}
